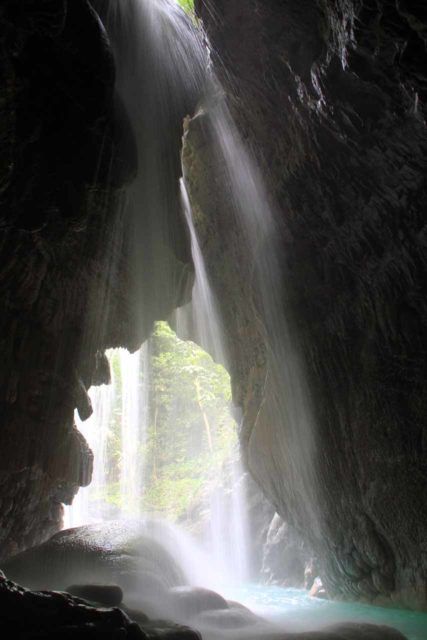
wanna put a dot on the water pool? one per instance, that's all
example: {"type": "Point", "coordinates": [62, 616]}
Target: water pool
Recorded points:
{"type": "Point", "coordinates": [295, 611]}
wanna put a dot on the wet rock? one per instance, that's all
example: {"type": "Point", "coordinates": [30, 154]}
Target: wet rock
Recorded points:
{"type": "Point", "coordinates": [158, 629]}
{"type": "Point", "coordinates": [331, 96]}
{"type": "Point", "coordinates": [234, 618]}
{"type": "Point", "coordinates": [135, 614]}
{"type": "Point", "coordinates": [285, 556]}
{"type": "Point", "coordinates": [187, 602]}
{"type": "Point", "coordinates": [106, 553]}
{"type": "Point", "coordinates": [67, 149]}
{"type": "Point", "coordinates": [26, 614]}
{"type": "Point", "coordinates": [108, 595]}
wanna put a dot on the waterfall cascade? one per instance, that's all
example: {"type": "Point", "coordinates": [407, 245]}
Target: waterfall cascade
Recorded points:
{"type": "Point", "coordinates": [225, 540]}
{"type": "Point", "coordinates": [134, 417]}
{"type": "Point", "coordinates": [154, 43]}
{"type": "Point", "coordinates": [152, 40]}
{"type": "Point", "coordinates": [127, 396]}
{"type": "Point", "coordinates": [229, 528]}
{"type": "Point", "coordinates": [158, 50]}
{"type": "Point", "coordinates": [201, 314]}
{"type": "Point", "coordinates": [127, 401]}
{"type": "Point", "coordinates": [287, 399]}
{"type": "Point", "coordinates": [88, 504]}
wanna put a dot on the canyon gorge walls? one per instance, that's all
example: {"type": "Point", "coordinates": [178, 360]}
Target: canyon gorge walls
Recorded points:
{"type": "Point", "coordinates": [330, 96]}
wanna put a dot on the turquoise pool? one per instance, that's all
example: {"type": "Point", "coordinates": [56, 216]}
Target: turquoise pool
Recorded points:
{"type": "Point", "coordinates": [295, 611]}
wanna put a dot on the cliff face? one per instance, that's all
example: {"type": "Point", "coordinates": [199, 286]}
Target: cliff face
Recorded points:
{"type": "Point", "coordinates": [72, 277]}
{"type": "Point", "coordinates": [331, 98]}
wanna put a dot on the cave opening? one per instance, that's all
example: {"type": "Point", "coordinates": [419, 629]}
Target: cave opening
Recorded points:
{"type": "Point", "coordinates": [165, 447]}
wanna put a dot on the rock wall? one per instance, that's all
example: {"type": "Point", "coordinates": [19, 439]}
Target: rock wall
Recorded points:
{"type": "Point", "coordinates": [286, 560]}
{"type": "Point", "coordinates": [70, 288]}
{"type": "Point", "coordinates": [330, 96]}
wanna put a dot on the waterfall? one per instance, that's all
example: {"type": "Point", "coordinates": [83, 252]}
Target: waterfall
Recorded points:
{"type": "Point", "coordinates": [161, 63]}
{"type": "Point", "coordinates": [205, 319]}
{"type": "Point", "coordinates": [228, 539]}
{"type": "Point", "coordinates": [89, 506]}
{"type": "Point", "coordinates": [288, 400]}
{"type": "Point", "coordinates": [127, 396]}
{"type": "Point", "coordinates": [134, 421]}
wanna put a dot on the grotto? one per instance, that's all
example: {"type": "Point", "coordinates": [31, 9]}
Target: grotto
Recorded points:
{"type": "Point", "coordinates": [213, 273]}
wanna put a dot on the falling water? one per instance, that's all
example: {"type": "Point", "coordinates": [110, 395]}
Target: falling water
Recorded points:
{"type": "Point", "coordinates": [128, 395]}
{"type": "Point", "coordinates": [152, 40]}
{"type": "Point", "coordinates": [205, 319]}
{"type": "Point", "coordinates": [288, 400]}
{"type": "Point", "coordinates": [228, 539]}
{"type": "Point", "coordinates": [160, 70]}
{"type": "Point", "coordinates": [157, 43]}
{"type": "Point", "coordinates": [88, 506]}
{"type": "Point", "coordinates": [131, 432]}
{"type": "Point", "coordinates": [160, 63]}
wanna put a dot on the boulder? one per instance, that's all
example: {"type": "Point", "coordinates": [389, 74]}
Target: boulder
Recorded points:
{"type": "Point", "coordinates": [108, 595]}
{"type": "Point", "coordinates": [43, 615]}
{"type": "Point", "coordinates": [188, 602]}
{"type": "Point", "coordinates": [235, 618]}
{"type": "Point", "coordinates": [108, 554]}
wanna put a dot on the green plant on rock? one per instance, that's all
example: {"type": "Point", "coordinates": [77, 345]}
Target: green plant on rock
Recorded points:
{"type": "Point", "coordinates": [187, 5]}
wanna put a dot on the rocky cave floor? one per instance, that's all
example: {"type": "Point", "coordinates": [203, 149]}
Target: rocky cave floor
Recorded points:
{"type": "Point", "coordinates": [55, 614]}
{"type": "Point", "coordinates": [136, 582]}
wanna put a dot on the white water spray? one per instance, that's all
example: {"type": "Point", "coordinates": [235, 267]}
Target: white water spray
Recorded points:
{"type": "Point", "coordinates": [228, 540]}
{"type": "Point", "coordinates": [89, 504]}
{"type": "Point", "coordinates": [158, 36]}
{"type": "Point", "coordinates": [205, 319]}
{"type": "Point", "coordinates": [132, 432]}
{"type": "Point", "coordinates": [287, 397]}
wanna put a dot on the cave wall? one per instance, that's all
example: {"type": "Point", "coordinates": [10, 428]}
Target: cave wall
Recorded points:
{"type": "Point", "coordinates": [330, 97]}
{"type": "Point", "coordinates": [72, 281]}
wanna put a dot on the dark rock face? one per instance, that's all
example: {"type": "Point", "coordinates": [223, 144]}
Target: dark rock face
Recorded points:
{"type": "Point", "coordinates": [69, 289]}
{"type": "Point", "coordinates": [108, 595]}
{"type": "Point", "coordinates": [44, 614]}
{"type": "Point", "coordinates": [52, 614]}
{"type": "Point", "coordinates": [286, 560]}
{"type": "Point", "coordinates": [56, 111]}
{"type": "Point", "coordinates": [109, 554]}
{"type": "Point", "coordinates": [331, 97]}
{"type": "Point", "coordinates": [188, 602]}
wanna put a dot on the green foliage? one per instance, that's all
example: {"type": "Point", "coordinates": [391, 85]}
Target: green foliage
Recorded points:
{"type": "Point", "coordinates": [187, 5]}
{"type": "Point", "coordinates": [190, 433]}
